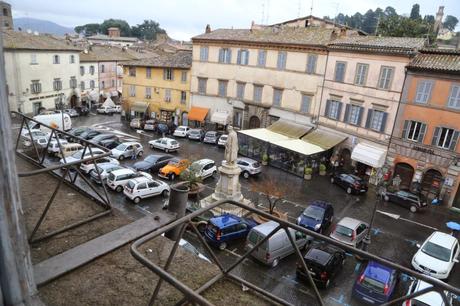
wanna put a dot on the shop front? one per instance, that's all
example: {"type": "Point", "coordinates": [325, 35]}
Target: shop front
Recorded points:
{"type": "Point", "coordinates": [369, 159]}
{"type": "Point", "coordinates": [197, 116]}
{"type": "Point", "coordinates": [221, 119]}
{"type": "Point", "coordinates": [138, 110]}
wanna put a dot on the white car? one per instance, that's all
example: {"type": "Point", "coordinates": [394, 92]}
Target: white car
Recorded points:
{"type": "Point", "coordinates": [248, 166]}
{"type": "Point", "coordinates": [149, 125]}
{"type": "Point", "coordinates": [105, 110]}
{"type": "Point", "coordinates": [181, 131]}
{"type": "Point", "coordinates": [165, 144]}
{"type": "Point", "coordinates": [119, 178]}
{"type": "Point", "coordinates": [437, 255]}
{"type": "Point", "coordinates": [37, 135]}
{"type": "Point", "coordinates": [89, 166]}
{"type": "Point", "coordinates": [79, 155]}
{"type": "Point", "coordinates": [142, 187]}
{"type": "Point", "coordinates": [127, 150]}
{"type": "Point", "coordinates": [431, 298]}
{"type": "Point", "coordinates": [104, 170]}
{"type": "Point", "coordinates": [53, 147]}
{"type": "Point", "coordinates": [116, 109]}
{"type": "Point", "coordinates": [222, 140]}
{"type": "Point", "coordinates": [204, 168]}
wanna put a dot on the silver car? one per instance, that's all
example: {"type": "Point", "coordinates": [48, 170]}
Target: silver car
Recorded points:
{"type": "Point", "coordinates": [248, 166]}
{"type": "Point", "coordinates": [350, 231]}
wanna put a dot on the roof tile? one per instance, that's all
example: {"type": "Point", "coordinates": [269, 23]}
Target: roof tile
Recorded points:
{"type": "Point", "coordinates": [179, 59]}
{"type": "Point", "coordinates": [437, 60]}
{"type": "Point", "coordinates": [403, 45]}
{"type": "Point", "coordinates": [25, 41]}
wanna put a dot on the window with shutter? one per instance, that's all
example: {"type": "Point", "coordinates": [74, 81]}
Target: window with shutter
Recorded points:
{"type": "Point", "coordinates": [223, 88]}
{"type": "Point", "coordinates": [132, 71]}
{"type": "Point", "coordinates": [333, 111]}
{"type": "Point", "coordinates": [454, 97]}
{"type": "Point", "coordinates": [339, 75]}
{"type": "Point", "coordinates": [240, 90]}
{"type": "Point", "coordinates": [445, 137]}
{"type": "Point", "coordinates": [261, 58]}
{"type": "Point", "coordinates": [243, 57]}
{"type": "Point", "coordinates": [168, 74]}
{"type": "Point", "coordinates": [281, 64]}
{"type": "Point", "coordinates": [204, 51]}
{"type": "Point", "coordinates": [311, 63]}
{"type": "Point", "coordinates": [353, 116]}
{"type": "Point", "coordinates": [202, 82]}
{"type": "Point", "coordinates": [361, 74]}
{"type": "Point", "coordinates": [168, 95]}
{"type": "Point", "coordinates": [82, 70]}
{"type": "Point", "coordinates": [414, 130]}
{"type": "Point", "coordinates": [386, 76]}
{"type": "Point", "coordinates": [148, 92]}
{"type": "Point", "coordinates": [305, 104]}
{"type": "Point", "coordinates": [258, 89]}
{"type": "Point", "coordinates": [277, 96]}
{"type": "Point", "coordinates": [132, 90]}
{"type": "Point", "coordinates": [183, 97]}
{"type": "Point", "coordinates": [183, 77]}
{"type": "Point", "coordinates": [423, 92]}
{"type": "Point", "coordinates": [148, 72]}
{"type": "Point", "coordinates": [378, 120]}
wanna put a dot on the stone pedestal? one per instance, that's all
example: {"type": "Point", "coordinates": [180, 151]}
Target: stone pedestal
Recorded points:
{"type": "Point", "coordinates": [228, 187]}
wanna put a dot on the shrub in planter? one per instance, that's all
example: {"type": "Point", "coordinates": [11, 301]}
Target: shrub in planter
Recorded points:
{"type": "Point", "coordinates": [265, 159]}
{"type": "Point", "coordinates": [307, 173]}
{"type": "Point", "coordinates": [322, 169]}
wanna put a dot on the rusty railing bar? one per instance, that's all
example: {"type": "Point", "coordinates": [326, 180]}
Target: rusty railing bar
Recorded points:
{"type": "Point", "coordinates": [207, 247]}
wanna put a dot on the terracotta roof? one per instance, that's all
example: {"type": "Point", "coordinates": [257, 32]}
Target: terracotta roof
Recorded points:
{"type": "Point", "coordinates": [106, 54]}
{"type": "Point", "coordinates": [436, 60]}
{"type": "Point", "coordinates": [313, 36]}
{"type": "Point", "coordinates": [397, 45]}
{"type": "Point", "coordinates": [107, 37]}
{"type": "Point", "coordinates": [180, 59]}
{"type": "Point", "coordinates": [26, 41]}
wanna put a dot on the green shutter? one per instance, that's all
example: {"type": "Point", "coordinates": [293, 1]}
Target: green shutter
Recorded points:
{"type": "Point", "coordinates": [436, 133]}
{"type": "Point", "coordinates": [422, 133]}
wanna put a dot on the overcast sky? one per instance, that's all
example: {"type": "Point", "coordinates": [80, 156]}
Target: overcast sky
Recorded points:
{"type": "Point", "coordinates": [183, 19]}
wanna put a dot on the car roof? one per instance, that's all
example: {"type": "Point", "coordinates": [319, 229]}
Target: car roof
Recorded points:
{"type": "Point", "coordinates": [130, 143]}
{"type": "Point", "coordinates": [182, 126]}
{"type": "Point", "coordinates": [319, 203]}
{"type": "Point", "coordinates": [107, 165]}
{"type": "Point", "coordinates": [430, 298]}
{"type": "Point", "coordinates": [204, 161]}
{"type": "Point", "coordinates": [267, 227]}
{"type": "Point", "coordinates": [225, 220]}
{"type": "Point", "coordinates": [319, 256]}
{"type": "Point", "coordinates": [195, 130]}
{"type": "Point", "coordinates": [349, 222]}
{"type": "Point", "coordinates": [248, 160]}
{"type": "Point", "coordinates": [122, 171]}
{"type": "Point", "coordinates": [211, 132]}
{"type": "Point", "coordinates": [141, 179]}
{"type": "Point", "coordinates": [165, 138]}
{"type": "Point", "coordinates": [378, 271]}
{"type": "Point", "coordinates": [442, 239]}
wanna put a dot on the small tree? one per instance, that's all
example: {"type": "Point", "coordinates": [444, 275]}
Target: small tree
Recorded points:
{"type": "Point", "coordinates": [272, 190]}
{"type": "Point", "coordinates": [191, 177]}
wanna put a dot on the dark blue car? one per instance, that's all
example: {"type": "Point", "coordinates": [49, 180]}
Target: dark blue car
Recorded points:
{"type": "Point", "coordinates": [376, 284]}
{"type": "Point", "coordinates": [317, 216]}
{"type": "Point", "coordinates": [226, 228]}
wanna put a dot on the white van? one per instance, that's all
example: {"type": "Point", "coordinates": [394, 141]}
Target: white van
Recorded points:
{"type": "Point", "coordinates": [55, 121]}
{"type": "Point", "coordinates": [69, 149]}
{"type": "Point", "coordinates": [277, 246]}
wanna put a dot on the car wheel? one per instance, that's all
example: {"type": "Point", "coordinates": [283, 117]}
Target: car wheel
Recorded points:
{"type": "Point", "coordinates": [275, 262]}
{"type": "Point", "coordinates": [332, 180]}
{"type": "Point", "coordinates": [165, 193]}
{"type": "Point", "coordinates": [121, 157]}
{"type": "Point", "coordinates": [151, 147]}
{"type": "Point", "coordinates": [140, 153]}
{"type": "Point", "coordinates": [349, 190]}
{"type": "Point", "coordinates": [119, 189]}
{"type": "Point", "coordinates": [386, 198]}
{"type": "Point", "coordinates": [413, 209]}
{"type": "Point", "coordinates": [136, 200]}
{"type": "Point", "coordinates": [246, 174]}
{"type": "Point", "coordinates": [172, 176]}
{"type": "Point", "coordinates": [222, 246]}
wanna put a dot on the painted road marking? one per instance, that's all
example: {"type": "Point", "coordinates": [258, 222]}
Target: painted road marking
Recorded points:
{"type": "Point", "coordinates": [340, 300]}
{"type": "Point", "coordinates": [398, 217]}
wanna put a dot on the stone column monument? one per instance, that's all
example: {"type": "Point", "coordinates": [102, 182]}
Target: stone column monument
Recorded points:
{"type": "Point", "coordinates": [228, 186]}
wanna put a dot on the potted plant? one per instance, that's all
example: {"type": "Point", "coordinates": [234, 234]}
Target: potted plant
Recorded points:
{"type": "Point", "coordinates": [307, 173]}
{"type": "Point", "coordinates": [322, 169]}
{"type": "Point", "coordinates": [192, 180]}
{"type": "Point", "coordinates": [265, 159]}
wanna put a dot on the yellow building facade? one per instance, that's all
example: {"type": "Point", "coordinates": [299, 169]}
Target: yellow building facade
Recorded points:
{"type": "Point", "coordinates": [158, 87]}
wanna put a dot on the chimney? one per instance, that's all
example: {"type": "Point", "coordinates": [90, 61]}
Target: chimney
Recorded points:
{"type": "Point", "coordinates": [208, 29]}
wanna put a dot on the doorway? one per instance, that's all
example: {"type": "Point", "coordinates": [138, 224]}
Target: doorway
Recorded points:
{"type": "Point", "coordinates": [345, 159]}
{"type": "Point", "coordinates": [431, 183]}
{"type": "Point", "coordinates": [254, 122]}
{"type": "Point", "coordinates": [405, 172]}
{"type": "Point", "coordinates": [73, 101]}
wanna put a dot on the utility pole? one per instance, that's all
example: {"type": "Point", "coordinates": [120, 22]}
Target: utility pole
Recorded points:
{"type": "Point", "coordinates": [17, 285]}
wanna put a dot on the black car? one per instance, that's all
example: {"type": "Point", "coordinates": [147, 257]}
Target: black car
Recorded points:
{"type": "Point", "coordinates": [324, 261]}
{"type": "Point", "coordinates": [90, 134]}
{"type": "Point", "coordinates": [83, 111]}
{"type": "Point", "coordinates": [317, 216]}
{"type": "Point", "coordinates": [110, 143]}
{"type": "Point", "coordinates": [407, 199]}
{"type": "Point", "coordinates": [153, 162]}
{"type": "Point", "coordinates": [101, 137]}
{"type": "Point", "coordinates": [351, 183]}
{"type": "Point", "coordinates": [78, 131]}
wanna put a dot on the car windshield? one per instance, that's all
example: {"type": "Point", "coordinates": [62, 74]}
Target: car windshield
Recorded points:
{"type": "Point", "coordinates": [210, 134]}
{"type": "Point", "coordinates": [174, 162]}
{"type": "Point", "coordinates": [373, 284]}
{"type": "Point", "coordinates": [194, 132]}
{"type": "Point", "coordinates": [173, 142]}
{"type": "Point", "coordinates": [151, 159]}
{"type": "Point", "coordinates": [223, 137]}
{"type": "Point", "coordinates": [78, 154]}
{"type": "Point", "coordinates": [314, 212]}
{"type": "Point", "coordinates": [111, 177]}
{"type": "Point", "coordinates": [181, 129]}
{"type": "Point", "coordinates": [130, 185]}
{"type": "Point", "coordinates": [436, 251]}
{"type": "Point", "coordinates": [345, 231]}
{"type": "Point", "coordinates": [121, 147]}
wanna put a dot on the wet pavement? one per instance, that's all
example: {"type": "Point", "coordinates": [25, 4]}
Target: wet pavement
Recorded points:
{"type": "Point", "coordinates": [394, 239]}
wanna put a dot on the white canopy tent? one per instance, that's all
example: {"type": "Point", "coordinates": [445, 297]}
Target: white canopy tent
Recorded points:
{"type": "Point", "coordinates": [369, 155]}
{"type": "Point", "coordinates": [108, 103]}
{"type": "Point", "coordinates": [221, 117]}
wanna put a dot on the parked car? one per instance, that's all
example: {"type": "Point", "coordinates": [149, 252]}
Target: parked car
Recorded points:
{"type": "Point", "coordinates": [277, 246]}
{"type": "Point", "coordinates": [79, 154]}
{"type": "Point", "coordinates": [211, 137]}
{"type": "Point", "coordinates": [222, 140]}
{"type": "Point", "coordinates": [128, 150]}
{"type": "Point", "coordinates": [173, 168]}
{"type": "Point", "coordinates": [34, 134]}
{"type": "Point", "coordinates": [196, 134]}
{"type": "Point", "coordinates": [69, 149]}
{"type": "Point", "coordinates": [141, 187]}
{"type": "Point", "coordinates": [376, 284]}
{"type": "Point", "coordinates": [150, 125]}
{"type": "Point", "coordinates": [249, 167]}
{"type": "Point", "coordinates": [318, 216]}
{"type": "Point", "coordinates": [351, 183]}
{"type": "Point", "coordinates": [105, 110]}
{"type": "Point", "coordinates": [224, 229]}
{"type": "Point", "coordinates": [105, 136]}
{"type": "Point", "coordinates": [53, 147]}
{"type": "Point", "coordinates": [153, 162]}
{"type": "Point", "coordinates": [104, 170]}
{"type": "Point", "coordinates": [117, 179]}
{"type": "Point", "coordinates": [137, 123]}
{"type": "Point", "coordinates": [203, 168]}
{"type": "Point", "coordinates": [165, 144]}
{"type": "Point", "coordinates": [116, 109]}
{"type": "Point", "coordinates": [163, 129]}
{"type": "Point", "coordinates": [407, 199]}
{"type": "Point", "coordinates": [350, 231]}
{"type": "Point", "coordinates": [110, 143]}
{"type": "Point", "coordinates": [432, 298]}
{"type": "Point", "coordinates": [199, 221]}
{"type": "Point", "coordinates": [323, 261]}
{"type": "Point", "coordinates": [89, 166]}
{"type": "Point", "coordinates": [78, 131]}
{"type": "Point", "coordinates": [83, 110]}
{"type": "Point", "coordinates": [90, 134]}
{"type": "Point", "coordinates": [71, 112]}
{"type": "Point", "coordinates": [181, 131]}
{"type": "Point", "coordinates": [437, 255]}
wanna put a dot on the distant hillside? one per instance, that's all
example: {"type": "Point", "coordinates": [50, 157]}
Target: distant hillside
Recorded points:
{"type": "Point", "coordinates": [42, 26]}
